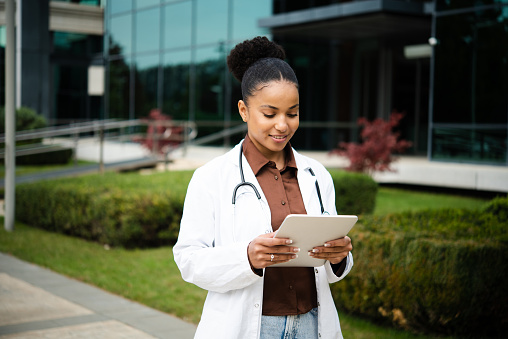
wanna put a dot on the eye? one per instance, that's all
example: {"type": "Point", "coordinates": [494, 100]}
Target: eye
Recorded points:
{"type": "Point", "coordinates": [292, 115]}
{"type": "Point", "coordinates": [269, 116]}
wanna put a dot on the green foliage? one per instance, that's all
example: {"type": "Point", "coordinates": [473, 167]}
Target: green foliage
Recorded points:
{"type": "Point", "coordinates": [441, 271]}
{"type": "Point", "coordinates": [129, 210]}
{"type": "Point", "coordinates": [355, 193]}
{"type": "Point", "coordinates": [57, 157]}
{"type": "Point", "coordinates": [26, 119]}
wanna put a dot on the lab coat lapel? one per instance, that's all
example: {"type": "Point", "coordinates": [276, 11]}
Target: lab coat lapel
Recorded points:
{"type": "Point", "coordinates": [307, 183]}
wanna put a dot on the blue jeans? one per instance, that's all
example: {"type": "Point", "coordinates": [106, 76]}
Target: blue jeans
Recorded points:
{"type": "Point", "coordinates": [303, 326]}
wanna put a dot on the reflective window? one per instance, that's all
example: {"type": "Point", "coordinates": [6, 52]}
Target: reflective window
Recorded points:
{"type": "Point", "coordinates": [121, 35]}
{"type": "Point", "coordinates": [245, 18]}
{"type": "Point", "coordinates": [212, 21]}
{"type": "Point", "coordinates": [487, 146]}
{"type": "Point", "coordinates": [471, 68]}
{"type": "Point", "coordinates": [458, 4]}
{"type": "Point", "coordinates": [118, 6]}
{"type": "Point", "coordinates": [70, 43]}
{"type": "Point", "coordinates": [70, 91]}
{"type": "Point", "coordinates": [119, 75]}
{"type": "Point", "coordinates": [146, 3]}
{"type": "Point", "coordinates": [210, 74]}
{"type": "Point", "coordinates": [2, 36]}
{"type": "Point", "coordinates": [148, 30]}
{"type": "Point", "coordinates": [146, 84]}
{"type": "Point", "coordinates": [177, 27]}
{"type": "Point", "coordinates": [176, 72]}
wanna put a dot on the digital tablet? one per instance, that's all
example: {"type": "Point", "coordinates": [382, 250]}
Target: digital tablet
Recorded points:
{"type": "Point", "coordinates": [308, 231]}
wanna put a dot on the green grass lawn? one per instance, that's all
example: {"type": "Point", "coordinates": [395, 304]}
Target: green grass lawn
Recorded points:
{"type": "Point", "coordinates": [25, 169]}
{"type": "Point", "coordinates": [151, 277]}
{"type": "Point", "coordinates": [147, 276]}
{"type": "Point", "coordinates": [394, 200]}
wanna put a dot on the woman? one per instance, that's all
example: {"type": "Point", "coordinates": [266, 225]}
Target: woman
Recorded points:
{"type": "Point", "coordinates": [226, 242]}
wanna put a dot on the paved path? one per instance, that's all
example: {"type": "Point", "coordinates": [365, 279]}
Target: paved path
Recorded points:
{"type": "Point", "coordinates": [38, 303]}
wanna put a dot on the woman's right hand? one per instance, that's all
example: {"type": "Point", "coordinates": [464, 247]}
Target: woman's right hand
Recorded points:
{"type": "Point", "coordinates": [265, 250]}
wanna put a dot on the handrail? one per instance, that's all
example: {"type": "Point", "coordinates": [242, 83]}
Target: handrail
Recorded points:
{"type": "Point", "coordinates": [100, 126]}
{"type": "Point", "coordinates": [95, 126]}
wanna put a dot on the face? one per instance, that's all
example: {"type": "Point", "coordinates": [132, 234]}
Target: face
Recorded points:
{"type": "Point", "coordinates": [272, 116]}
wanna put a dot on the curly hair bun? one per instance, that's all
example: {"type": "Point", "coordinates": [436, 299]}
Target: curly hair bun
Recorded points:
{"type": "Point", "coordinates": [248, 52]}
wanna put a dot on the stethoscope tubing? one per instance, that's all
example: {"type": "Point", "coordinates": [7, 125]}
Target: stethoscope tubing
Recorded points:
{"type": "Point", "coordinates": [245, 183]}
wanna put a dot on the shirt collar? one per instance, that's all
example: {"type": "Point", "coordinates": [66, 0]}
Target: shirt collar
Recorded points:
{"type": "Point", "coordinates": [257, 160]}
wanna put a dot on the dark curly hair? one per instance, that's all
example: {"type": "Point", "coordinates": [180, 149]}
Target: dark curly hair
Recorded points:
{"type": "Point", "coordinates": [257, 62]}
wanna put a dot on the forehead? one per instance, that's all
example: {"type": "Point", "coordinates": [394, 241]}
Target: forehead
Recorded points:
{"type": "Point", "coordinates": [277, 91]}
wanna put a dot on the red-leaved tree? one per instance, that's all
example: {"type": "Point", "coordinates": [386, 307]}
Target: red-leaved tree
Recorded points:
{"type": "Point", "coordinates": [379, 143]}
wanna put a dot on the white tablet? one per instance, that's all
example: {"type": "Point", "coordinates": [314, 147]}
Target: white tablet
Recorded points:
{"type": "Point", "coordinates": [308, 231]}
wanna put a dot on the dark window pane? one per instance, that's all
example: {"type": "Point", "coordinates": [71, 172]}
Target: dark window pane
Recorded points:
{"type": "Point", "coordinates": [443, 5]}
{"type": "Point", "coordinates": [147, 30]}
{"type": "Point", "coordinates": [70, 43]}
{"type": "Point", "coordinates": [119, 75]}
{"type": "Point", "coordinates": [176, 85]}
{"type": "Point", "coordinates": [146, 81]}
{"type": "Point", "coordinates": [210, 73]}
{"type": "Point", "coordinates": [121, 35]}
{"type": "Point", "coordinates": [70, 91]}
{"type": "Point", "coordinates": [471, 69]}
{"type": "Point", "coordinates": [177, 26]}
{"type": "Point", "coordinates": [481, 145]}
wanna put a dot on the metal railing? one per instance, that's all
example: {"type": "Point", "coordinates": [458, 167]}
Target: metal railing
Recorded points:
{"type": "Point", "coordinates": [160, 130]}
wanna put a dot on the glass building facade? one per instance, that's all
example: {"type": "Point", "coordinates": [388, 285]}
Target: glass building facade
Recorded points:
{"type": "Point", "coordinates": [353, 59]}
{"type": "Point", "coordinates": [172, 55]}
{"type": "Point", "coordinates": [470, 82]}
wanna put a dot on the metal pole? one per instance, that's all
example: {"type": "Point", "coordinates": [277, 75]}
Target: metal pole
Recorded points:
{"type": "Point", "coordinates": [10, 118]}
{"type": "Point", "coordinates": [101, 150]}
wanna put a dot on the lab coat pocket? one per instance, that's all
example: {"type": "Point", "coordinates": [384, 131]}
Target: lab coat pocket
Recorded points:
{"type": "Point", "coordinates": [251, 216]}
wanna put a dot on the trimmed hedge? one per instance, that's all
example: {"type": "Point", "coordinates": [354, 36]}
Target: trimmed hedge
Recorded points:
{"type": "Point", "coordinates": [355, 193]}
{"type": "Point", "coordinates": [129, 210]}
{"type": "Point", "coordinates": [441, 271]}
{"type": "Point", "coordinates": [57, 157]}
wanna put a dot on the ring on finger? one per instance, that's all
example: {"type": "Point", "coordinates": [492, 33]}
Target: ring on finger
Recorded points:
{"type": "Point", "coordinates": [271, 257]}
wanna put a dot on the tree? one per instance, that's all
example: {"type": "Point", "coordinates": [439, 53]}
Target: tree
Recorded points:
{"type": "Point", "coordinates": [379, 142]}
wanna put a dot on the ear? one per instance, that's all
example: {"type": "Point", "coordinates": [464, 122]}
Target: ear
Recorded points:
{"type": "Point", "coordinates": [243, 110]}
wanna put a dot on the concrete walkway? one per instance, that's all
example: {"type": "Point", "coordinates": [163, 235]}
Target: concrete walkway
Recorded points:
{"type": "Point", "coordinates": [38, 303]}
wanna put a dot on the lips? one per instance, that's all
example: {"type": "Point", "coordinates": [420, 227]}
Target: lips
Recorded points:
{"type": "Point", "coordinates": [279, 138]}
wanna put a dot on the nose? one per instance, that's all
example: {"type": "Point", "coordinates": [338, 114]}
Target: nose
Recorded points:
{"type": "Point", "coordinates": [281, 125]}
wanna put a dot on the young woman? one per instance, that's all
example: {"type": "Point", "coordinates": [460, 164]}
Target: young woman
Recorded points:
{"type": "Point", "coordinates": [235, 203]}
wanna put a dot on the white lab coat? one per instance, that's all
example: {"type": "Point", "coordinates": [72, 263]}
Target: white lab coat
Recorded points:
{"type": "Point", "coordinates": [211, 251]}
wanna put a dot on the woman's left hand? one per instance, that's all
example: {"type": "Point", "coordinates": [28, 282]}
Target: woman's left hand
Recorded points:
{"type": "Point", "coordinates": [334, 251]}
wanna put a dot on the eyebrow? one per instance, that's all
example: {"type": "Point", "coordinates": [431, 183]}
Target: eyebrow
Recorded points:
{"type": "Point", "coordinates": [276, 108]}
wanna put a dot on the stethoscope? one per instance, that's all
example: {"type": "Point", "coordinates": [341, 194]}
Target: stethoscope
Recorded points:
{"type": "Point", "coordinates": [246, 183]}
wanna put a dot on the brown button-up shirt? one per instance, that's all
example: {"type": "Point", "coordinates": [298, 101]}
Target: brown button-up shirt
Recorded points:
{"type": "Point", "coordinates": [287, 290]}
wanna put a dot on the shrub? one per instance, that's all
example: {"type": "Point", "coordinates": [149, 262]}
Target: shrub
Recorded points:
{"type": "Point", "coordinates": [129, 210]}
{"type": "Point", "coordinates": [438, 271]}
{"type": "Point", "coordinates": [355, 193]}
{"type": "Point", "coordinates": [379, 141]}
{"type": "Point", "coordinates": [57, 157]}
{"type": "Point", "coordinates": [26, 119]}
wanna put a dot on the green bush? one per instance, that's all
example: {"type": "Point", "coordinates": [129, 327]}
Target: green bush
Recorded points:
{"type": "Point", "coordinates": [355, 193]}
{"type": "Point", "coordinates": [26, 119]}
{"type": "Point", "coordinates": [129, 210]}
{"type": "Point", "coordinates": [57, 157]}
{"type": "Point", "coordinates": [438, 271]}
